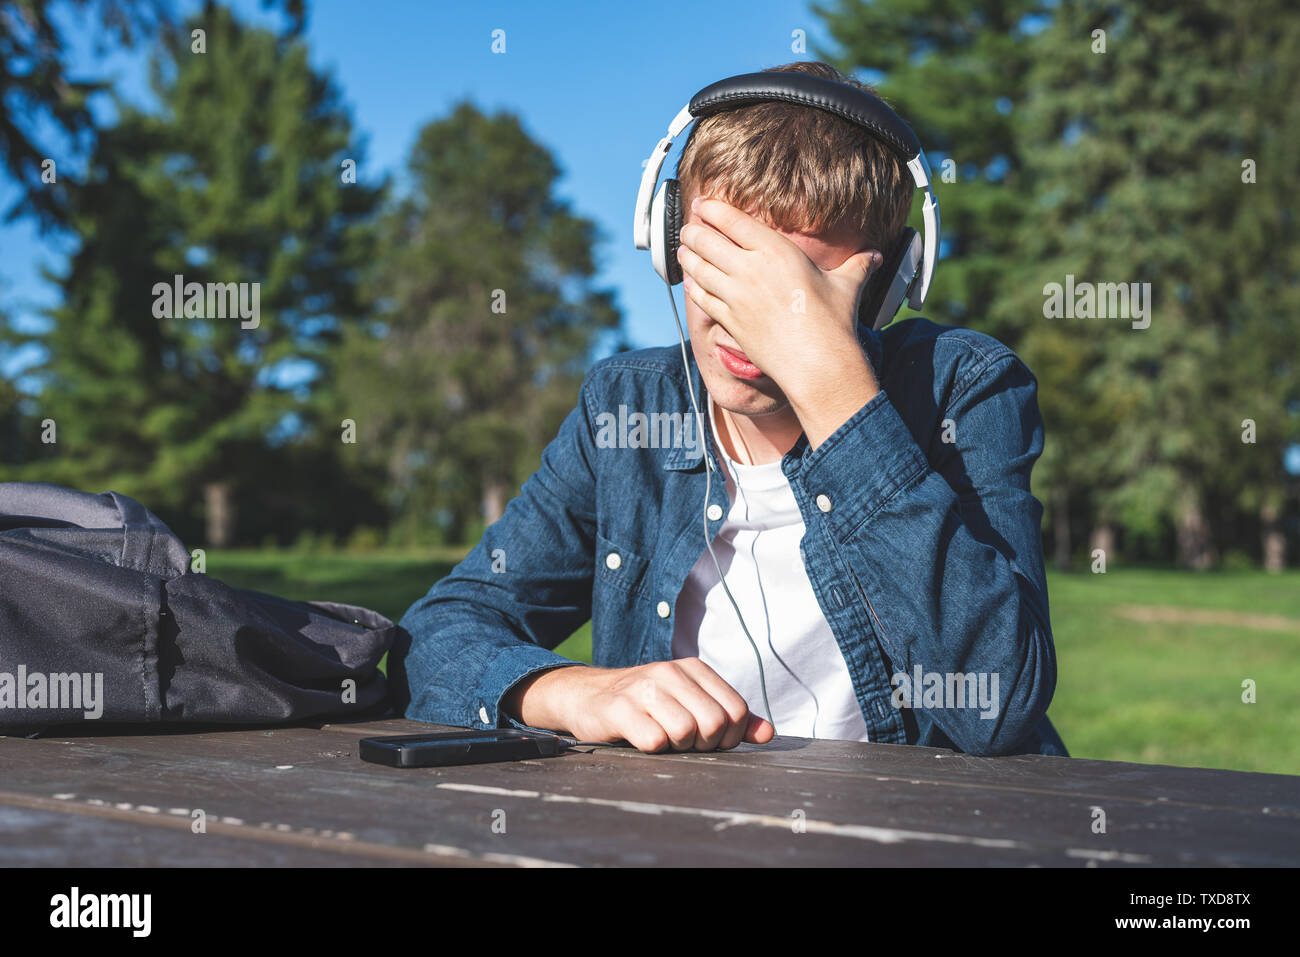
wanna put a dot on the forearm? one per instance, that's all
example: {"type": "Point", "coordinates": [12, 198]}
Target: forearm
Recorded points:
{"type": "Point", "coordinates": [843, 384]}
{"type": "Point", "coordinates": [523, 589]}
{"type": "Point", "coordinates": [946, 603]}
{"type": "Point", "coordinates": [953, 583]}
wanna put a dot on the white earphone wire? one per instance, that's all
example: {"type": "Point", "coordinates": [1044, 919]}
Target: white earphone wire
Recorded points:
{"type": "Point", "coordinates": [704, 514]}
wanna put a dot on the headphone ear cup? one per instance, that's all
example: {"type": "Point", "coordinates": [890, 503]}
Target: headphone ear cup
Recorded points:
{"type": "Point", "coordinates": [887, 288]}
{"type": "Point", "coordinates": [666, 231]}
{"type": "Point", "coordinates": [672, 226]}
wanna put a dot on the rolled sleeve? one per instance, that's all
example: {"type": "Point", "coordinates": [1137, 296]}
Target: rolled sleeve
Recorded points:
{"type": "Point", "coordinates": [946, 548]}
{"type": "Point", "coordinates": [862, 465]}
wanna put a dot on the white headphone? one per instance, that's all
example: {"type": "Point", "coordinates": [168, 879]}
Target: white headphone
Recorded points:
{"type": "Point", "coordinates": [910, 264]}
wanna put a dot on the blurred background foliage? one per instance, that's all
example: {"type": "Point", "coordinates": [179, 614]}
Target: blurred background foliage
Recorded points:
{"type": "Point", "coordinates": [451, 321]}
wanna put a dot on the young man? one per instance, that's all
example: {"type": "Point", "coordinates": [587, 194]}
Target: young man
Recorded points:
{"type": "Point", "coordinates": [870, 511]}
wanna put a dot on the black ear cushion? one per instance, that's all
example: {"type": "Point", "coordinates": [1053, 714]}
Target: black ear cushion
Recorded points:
{"type": "Point", "coordinates": [672, 229]}
{"type": "Point", "coordinates": [878, 285]}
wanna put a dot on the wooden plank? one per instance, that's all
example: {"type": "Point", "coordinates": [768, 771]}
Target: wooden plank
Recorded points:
{"type": "Point", "coordinates": [35, 834]}
{"type": "Point", "coordinates": [413, 812]}
{"type": "Point", "coordinates": [1274, 794]}
{"type": "Point", "coordinates": [596, 795]}
{"type": "Point", "coordinates": [1099, 781]}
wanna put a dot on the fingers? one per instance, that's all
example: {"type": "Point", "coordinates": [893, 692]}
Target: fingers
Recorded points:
{"type": "Point", "coordinates": [715, 308]}
{"type": "Point", "coordinates": [740, 227]}
{"type": "Point", "coordinates": [687, 713]}
{"type": "Point", "coordinates": [711, 247]}
{"type": "Point", "coordinates": [702, 273]}
{"type": "Point", "coordinates": [712, 721]}
{"type": "Point", "coordinates": [727, 697]}
{"type": "Point", "coordinates": [637, 727]}
{"type": "Point", "coordinates": [675, 719]}
{"type": "Point", "coordinates": [683, 705]}
{"type": "Point", "coordinates": [858, 268]}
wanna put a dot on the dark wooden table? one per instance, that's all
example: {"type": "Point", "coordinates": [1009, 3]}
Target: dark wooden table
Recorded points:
{"type": "Point", "coordinates": [302, 796]}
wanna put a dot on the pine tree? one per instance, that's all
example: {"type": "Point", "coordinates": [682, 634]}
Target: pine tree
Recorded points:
{"type": "Point", "coordinates": [1142, 131]}
{"type": "Point", "coordinates": [238, 179]}
{"type": "Point", "coordinates": [487, 323]}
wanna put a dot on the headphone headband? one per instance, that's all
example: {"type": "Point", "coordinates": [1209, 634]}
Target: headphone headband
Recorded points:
{"type": "Point", "coordinates": [841, 99]}
{"type": "Point", "coordinates": [803, 89]}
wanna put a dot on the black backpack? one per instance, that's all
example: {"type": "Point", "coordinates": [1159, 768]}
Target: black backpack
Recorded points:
{"type": "Point", "coordinates": [102, 620]}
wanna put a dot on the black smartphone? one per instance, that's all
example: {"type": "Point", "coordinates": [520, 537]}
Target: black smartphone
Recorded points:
{"type": "Point", "coordinates": [444, 748]}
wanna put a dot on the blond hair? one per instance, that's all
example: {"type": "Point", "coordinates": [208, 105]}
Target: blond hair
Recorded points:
{"type": "Point", "coordinates": [799, 169]}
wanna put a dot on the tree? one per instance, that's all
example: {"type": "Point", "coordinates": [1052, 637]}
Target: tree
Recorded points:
{"type": "Point", "coordinates": [955, 73]}
{"type": "Point", "coordinates": [486, 323]}
{"type": "Point", "coordinates": [16, 429]}
{"type": "Point", "coordinates": [38, 92]}
{"type": "Point", "coordinates": [238, 181]}
{"type": "Point", "coordinates": [1139, 179]}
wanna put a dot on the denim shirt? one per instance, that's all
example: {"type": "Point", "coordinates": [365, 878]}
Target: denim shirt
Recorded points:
{"type": "Point", "coordinates": [922, 544]}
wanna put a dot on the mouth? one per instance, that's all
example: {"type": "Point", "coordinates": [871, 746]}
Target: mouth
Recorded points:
{"type": "Point", "coordinates": [738, 364]}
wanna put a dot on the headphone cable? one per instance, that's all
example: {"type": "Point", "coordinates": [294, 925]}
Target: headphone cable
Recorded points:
{"type": "Point", "coordinates": [704, 516]}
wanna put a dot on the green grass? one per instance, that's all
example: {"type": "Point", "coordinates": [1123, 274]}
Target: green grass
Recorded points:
{"type": "Point", "coordinates": [1152, 692]}
{"type": "Point", "coordinates": [1170, 693]}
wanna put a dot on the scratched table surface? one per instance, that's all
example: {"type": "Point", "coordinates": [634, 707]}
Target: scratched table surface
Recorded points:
{"type": "Point", "coordinates": [300, 795]}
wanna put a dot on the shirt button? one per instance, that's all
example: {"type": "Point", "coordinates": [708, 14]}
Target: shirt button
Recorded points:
{"type": "Point", "coordinates": [824, 502]}
{"type": "Point", "coordinates": [613, 560]}
{"type": "Point", "coordinates": [663, 609]}
{"type": "Point", "coordinates": [715, 512]}
{"type": "Point", "coordinates": [483, 715]}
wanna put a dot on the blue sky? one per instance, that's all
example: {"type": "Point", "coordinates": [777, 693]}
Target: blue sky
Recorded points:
{"type": "Point", "coordinates": [596, 83]}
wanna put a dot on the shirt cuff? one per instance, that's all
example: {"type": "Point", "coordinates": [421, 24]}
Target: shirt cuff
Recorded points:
{"type": "Point", "coordinates": [862, 465]}
{"type": "Point", "coordinates": [505, 671]}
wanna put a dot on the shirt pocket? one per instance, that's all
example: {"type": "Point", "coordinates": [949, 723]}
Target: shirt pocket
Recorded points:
{"type": "Point", "coordinates": [620, 569]}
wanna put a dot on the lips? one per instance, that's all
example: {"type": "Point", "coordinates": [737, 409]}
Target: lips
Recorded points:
{"type": "Point", "coordinates": [738, 364]}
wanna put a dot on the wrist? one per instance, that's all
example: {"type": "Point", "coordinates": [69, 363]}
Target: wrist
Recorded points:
{"type": "Point", "coordinates": [539, 700]}
{"type": "Point", "coordinates": [842, 385]}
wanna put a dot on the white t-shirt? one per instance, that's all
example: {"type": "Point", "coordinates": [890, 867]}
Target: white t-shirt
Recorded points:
{"type": "Point", "coordinates": [808, 682]}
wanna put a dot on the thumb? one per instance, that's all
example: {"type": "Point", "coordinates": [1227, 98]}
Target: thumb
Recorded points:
{"type": "Point", "coordinates": [758, 730]}
{"type": "Point", "coordinates": [858, 267]}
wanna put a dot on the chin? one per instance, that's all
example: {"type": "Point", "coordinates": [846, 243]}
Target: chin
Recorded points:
{"type": "Point", "coordinates": [741, 396]}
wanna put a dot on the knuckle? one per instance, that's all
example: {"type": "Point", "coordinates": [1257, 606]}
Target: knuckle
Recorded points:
{"type": "Point", "coordinates": [712, 728]}
{"type": "Point", "coordinates": [705, 667]}
{"type": "Point", "coordinates": [682, 730]}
